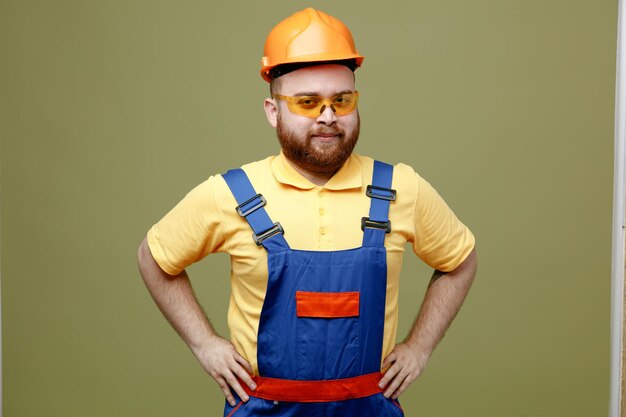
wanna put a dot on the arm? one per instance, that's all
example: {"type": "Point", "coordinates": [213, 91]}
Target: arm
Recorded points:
{"type": "Point", "coordinates": [174, 296]}
{"type": "Point", "coordinates": [443, 299]}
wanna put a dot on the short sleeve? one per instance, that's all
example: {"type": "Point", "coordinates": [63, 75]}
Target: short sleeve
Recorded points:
{"type": "Point", "coordinates": [189, 232]}
{"type": "Point", "coordinates": [441, 240]}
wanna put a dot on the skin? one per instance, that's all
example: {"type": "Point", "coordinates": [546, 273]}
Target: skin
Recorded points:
{"type": "Point", "coordinates": [325, 81]}
{"type": "Point", "coordinates": [442, 301]}
{"type": "Point", "coordinates": [175, 298]}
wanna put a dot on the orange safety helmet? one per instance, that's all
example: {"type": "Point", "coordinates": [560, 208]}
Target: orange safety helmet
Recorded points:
{"type": "Point", "coordinates": [308, 36]}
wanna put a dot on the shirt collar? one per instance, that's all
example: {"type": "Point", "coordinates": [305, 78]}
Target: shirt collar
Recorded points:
{"type": "Point", "coordinates": [348, 176]}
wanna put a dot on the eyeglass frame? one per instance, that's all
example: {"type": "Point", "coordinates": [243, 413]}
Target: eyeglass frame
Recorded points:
{"type": "Point", "coordinates": [325, 101]}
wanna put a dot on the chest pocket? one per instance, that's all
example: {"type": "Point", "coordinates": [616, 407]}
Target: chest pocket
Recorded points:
{"type": "Point", "coordinates": [327, 333]}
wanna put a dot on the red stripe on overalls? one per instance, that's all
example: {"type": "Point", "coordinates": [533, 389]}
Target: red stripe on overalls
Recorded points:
{"type": "Point", "coordinates": [315, 391]}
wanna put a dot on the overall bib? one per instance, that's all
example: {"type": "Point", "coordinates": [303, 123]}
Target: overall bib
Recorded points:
{"type": "Point", "coordinates": [321, 328]}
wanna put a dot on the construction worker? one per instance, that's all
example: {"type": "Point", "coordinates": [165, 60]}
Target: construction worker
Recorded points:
{"type": "Point", "coordinates": [316, 237]}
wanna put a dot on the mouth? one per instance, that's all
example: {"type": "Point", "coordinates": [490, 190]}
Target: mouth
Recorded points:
{"type": "Point", "coordinates": [327, 136]}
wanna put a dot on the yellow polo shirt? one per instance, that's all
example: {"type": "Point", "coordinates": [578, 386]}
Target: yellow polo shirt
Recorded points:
{"type": "Point", "coordinates": [319, 218]}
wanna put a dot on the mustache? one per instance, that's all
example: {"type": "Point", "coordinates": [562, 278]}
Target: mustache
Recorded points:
{"type": "Point", "coordinates": [328, 130]}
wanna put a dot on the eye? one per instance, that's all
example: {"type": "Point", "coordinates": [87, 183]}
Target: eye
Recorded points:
{"type": "Point", "coordinates": [342, 100]}
{"type": "Point", "coordinates": [308, 102]}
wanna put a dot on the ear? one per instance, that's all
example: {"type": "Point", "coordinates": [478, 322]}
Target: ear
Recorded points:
{"type": "Point", "coordinates": [271, 111]}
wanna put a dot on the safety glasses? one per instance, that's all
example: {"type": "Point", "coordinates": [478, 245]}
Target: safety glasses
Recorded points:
{"type": "Point", "coordinates": [313, 106]}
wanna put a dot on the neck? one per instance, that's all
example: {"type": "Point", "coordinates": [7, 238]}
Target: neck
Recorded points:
{"type": "Point", "coordinates": [315, 177]}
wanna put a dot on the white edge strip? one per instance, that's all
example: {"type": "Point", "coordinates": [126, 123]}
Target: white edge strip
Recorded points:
{"type": "Point", "coordinates": [617, 268]}
{"type": "Point", "coordinates": [1, 373]}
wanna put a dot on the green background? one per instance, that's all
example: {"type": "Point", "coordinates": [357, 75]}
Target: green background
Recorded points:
{"type": "Point", "coordinates": [113, 110]}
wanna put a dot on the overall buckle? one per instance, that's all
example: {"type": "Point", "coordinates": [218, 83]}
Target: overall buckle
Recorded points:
{"type": "Point", "coordinates": [388, 194]}
{"type": "Point", "coordinates": [262, 202]}
{"type": "Point", "coordinates": [258, 239]}
{"type": "Point", "coordinates": [374, 224]}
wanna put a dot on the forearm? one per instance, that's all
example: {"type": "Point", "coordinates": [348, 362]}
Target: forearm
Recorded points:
{"type": "Point", "coordinates": [442, 301]}
{"type": "Point", "coordinates": [444, 297]}
{"type": "Point", "coordinates": [174, 296]}
{"type": "Point", "coordinates": [176, 300]}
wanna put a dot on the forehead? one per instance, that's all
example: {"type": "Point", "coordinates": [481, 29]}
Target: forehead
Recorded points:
{"type": "Point", "coordinates": [324, 80]}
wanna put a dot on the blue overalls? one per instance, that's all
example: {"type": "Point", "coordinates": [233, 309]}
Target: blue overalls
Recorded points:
{"type": "Point", "coordinates": [321, 327]}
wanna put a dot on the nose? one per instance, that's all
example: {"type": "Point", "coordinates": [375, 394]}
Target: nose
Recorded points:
{"type": "Point", "coordinates": [327, 115]}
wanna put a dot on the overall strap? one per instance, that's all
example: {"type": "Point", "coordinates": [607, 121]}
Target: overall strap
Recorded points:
{"type": "Point", "coordinates": [250, 207]}
{"type": "Point", "coordinates": [377, 224]}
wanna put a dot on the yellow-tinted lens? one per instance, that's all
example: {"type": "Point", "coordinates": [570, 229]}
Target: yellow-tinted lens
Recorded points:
{"type": "Point", "coordinates": [309, 106]}
{"type": "Point", "coordinates": [307, 102]}
{"type": "Point", "coordinates": [345, 103]}
{"type": "Point", "coordinates": [313, 106]}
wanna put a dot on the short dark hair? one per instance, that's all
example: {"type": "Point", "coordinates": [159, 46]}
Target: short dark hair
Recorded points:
{"type": "Point", "coordinates": [279, 70]}
{"type": "Point", "coordinates": [283, 69]}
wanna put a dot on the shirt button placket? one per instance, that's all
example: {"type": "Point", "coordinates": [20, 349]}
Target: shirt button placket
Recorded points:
{"type": "Point", "coordinates": [322, 221]}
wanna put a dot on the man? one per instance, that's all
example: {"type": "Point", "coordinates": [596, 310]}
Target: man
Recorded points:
{"type": "Point", "coordinates": [316, 236]}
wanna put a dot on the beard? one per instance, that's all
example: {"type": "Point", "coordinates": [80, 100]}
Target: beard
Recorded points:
{"type": "Point", "coordinates": [318, 157]}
